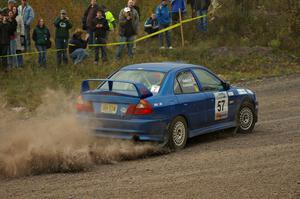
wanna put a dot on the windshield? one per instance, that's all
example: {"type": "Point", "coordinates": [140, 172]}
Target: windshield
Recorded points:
{"type": "Point", "coordinates": [151, 80]}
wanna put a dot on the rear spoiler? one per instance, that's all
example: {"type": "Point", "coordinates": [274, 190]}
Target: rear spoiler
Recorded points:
{"type": "Point", "coordinates": [143, 91]}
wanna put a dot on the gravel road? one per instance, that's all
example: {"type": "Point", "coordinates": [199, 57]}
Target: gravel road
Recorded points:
{"type": "Point", "coordinates": [264, 164]}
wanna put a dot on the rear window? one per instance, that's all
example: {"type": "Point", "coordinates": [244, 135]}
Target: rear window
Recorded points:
{"type": "Point", "coordinates": [151, 79]}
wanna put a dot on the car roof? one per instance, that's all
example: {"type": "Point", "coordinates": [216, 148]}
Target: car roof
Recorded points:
{"type": "Point", "coordinates": [161, 67]}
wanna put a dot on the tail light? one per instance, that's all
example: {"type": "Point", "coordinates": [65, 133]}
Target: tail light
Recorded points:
{"type": "Point", "coordinates": [142, 108]}
{"type": "Point", "coordinates": [83, 106]}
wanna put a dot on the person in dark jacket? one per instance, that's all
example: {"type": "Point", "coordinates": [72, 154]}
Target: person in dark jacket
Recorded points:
{"type": "Point", "coordinates": [137, 8]}
{"type": "Point", "coordinates": [88, 18]}
{"type": "Point", "coordinates": [151, 25]}
{"type": "Point", "coordinates": [129, 22]}
{"type": "Point", "coordinates": [178, 5]}
{"type": "Point", "coordinates": [164, 20]}
{"type": "Point", "coordinates": [200, 7]}
{"type": "Point", "coordinates": [110, 18]}
{"type": "Point", "coordinates": [10, 5]}
{"type": "Point", "coordinates": [5, 34]}
{"type": "Point", "coordinates": [100, 27]}
{"type": "Point", "coordinates": [62, 25]}
{"type": "Point", "coordinates": [41, 37]}
{"type": "Point", "coordinates": [77, 46]}
{"type": "Point", "coordinates": [12, 61]}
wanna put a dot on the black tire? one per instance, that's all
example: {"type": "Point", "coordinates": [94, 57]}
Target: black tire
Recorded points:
{"type": "Point", "coordinates": [177, 134]}
{"type": "Point", "coordinates": [246, 118]}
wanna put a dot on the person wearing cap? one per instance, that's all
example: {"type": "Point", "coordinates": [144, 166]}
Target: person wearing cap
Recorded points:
{"type": "Point", "coordinates": [164, 20]}
{"type": "Point", "coordinates": [129, 22]}
{"type": "Point", "coordinates": [88, 18]}
{"type": "Point", "coordinates": [178, 6]}
{"type": "Point", "coordinates": [101, 28]}
{"type": "Point", "coordinates": [26, 11]}
{"type": "Point", "coordinates": [62, 27]}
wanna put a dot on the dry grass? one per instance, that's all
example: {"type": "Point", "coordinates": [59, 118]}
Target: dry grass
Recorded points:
{"type": "Point", "coordinates": [240, 60]}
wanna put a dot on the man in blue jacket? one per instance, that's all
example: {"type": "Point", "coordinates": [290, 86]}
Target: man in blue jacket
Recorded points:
{"type": "Point", "coordinates": [164, 20]}
{"type": "Point", "coordinates": [26, 11]}
{"type": "Point", "coordinates": [178, 5]}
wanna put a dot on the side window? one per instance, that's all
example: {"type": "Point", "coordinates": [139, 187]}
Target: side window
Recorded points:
{"type": "Point", "coordinates": [208, 81]}
{"type": "Point", "coordinates": [185, 83]}
{"type": "Point", "coordinates": [177, 89]}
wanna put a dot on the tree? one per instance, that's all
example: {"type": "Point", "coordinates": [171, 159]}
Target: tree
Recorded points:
{"type": "Point", "coordinates": [294, 16]}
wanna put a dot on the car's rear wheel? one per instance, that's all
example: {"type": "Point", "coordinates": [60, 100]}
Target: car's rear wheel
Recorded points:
{"type": "Point", "coordinates": [177, 133]}
{"type": "Point", "coordinates": [246, 118]}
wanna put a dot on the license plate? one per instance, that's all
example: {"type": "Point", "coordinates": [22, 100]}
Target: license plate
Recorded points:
{"type": "Point", "coordinates": [109, 108]}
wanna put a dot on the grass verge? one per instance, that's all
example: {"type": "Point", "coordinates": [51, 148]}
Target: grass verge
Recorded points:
{"type": "Point", "coordinates": [24, 87]}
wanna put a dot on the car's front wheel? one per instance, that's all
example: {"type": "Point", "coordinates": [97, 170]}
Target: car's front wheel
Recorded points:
{"type": "Point", "coordinates": [177, 133]}
{"type": "Point", "coordinates": [246, 118]}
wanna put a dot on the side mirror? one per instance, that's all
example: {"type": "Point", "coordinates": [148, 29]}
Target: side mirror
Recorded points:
{"type": "Point", "coordinates": [226, 86]}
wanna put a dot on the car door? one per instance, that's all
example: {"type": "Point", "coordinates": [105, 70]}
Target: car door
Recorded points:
{"type": "Point", "coordinates": [220, 106]}
{"type": "Point", "coordinates": [192, 102]}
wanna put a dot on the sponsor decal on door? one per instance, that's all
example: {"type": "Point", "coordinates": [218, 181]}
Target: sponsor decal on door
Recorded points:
{"type": "Point", "coordinates": [221, 105]}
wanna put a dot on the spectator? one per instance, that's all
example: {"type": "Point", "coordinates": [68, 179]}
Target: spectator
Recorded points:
{"type": "Point", "coordinates": [129, 21]}
{"type": "Point", "coordinates": [62, 25]}
{"type": "Point", "coordinates": [26, 11]}
{"type": "Point", "coordinates": [137, 8]}
{"type": "Point", "coordinates": [151, 25]}
{"type": "Point", "coordinates": [20, 37]}
{"type": "Point", "coordinates": [110, 18]}
{"type": "Point", "coordinates": [4, 40]}
{"type": "Point", "coordinates": [12, 60]}
{"type": "Point", "coordinates": [178, 5]}
{"type": "Point", "coordinates": [10, 5]}
{"type": "Point", "coordinates": [101, 27]}
{"type": "Point", "coordinates": [41, 37]}
{"type": "Point", "coordinates": [78, 45]}
{"type": "Point", "coordinates": [200, 7]}
{"type": "Point", "coordinates": [88, 18]}
{"type": "Point", "coordinates": [164, 21]}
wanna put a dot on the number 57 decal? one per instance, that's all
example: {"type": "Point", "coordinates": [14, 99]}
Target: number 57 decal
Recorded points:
{"type": "Point", "coordinates": [221, 105]}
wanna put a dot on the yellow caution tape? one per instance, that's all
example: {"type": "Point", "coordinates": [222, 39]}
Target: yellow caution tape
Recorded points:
{"type": "Point", "coordinates": [119, 43]}
{"type": "Point", "coordinates": [32, 53]}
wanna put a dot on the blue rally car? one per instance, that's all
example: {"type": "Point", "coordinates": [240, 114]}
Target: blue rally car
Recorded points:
{"type": "Point", "coordinates": [165, 102]}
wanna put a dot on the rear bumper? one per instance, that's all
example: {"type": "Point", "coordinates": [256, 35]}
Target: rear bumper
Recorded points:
{"type": "Point", "coordinates": [141, 129]}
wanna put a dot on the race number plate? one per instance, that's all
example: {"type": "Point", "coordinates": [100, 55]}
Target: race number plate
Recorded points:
{"type": "Point", "coordinates": [109, 108]}
{"type": "Point", "coordinates": [221, 105]}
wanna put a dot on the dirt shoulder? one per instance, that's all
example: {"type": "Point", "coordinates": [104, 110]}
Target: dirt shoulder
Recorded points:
{"type": "Point", "coordinates": [265, 164]}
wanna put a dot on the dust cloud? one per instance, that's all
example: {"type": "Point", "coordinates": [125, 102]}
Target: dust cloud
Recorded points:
{"type": "Point", "coordinates": [52, 141]}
